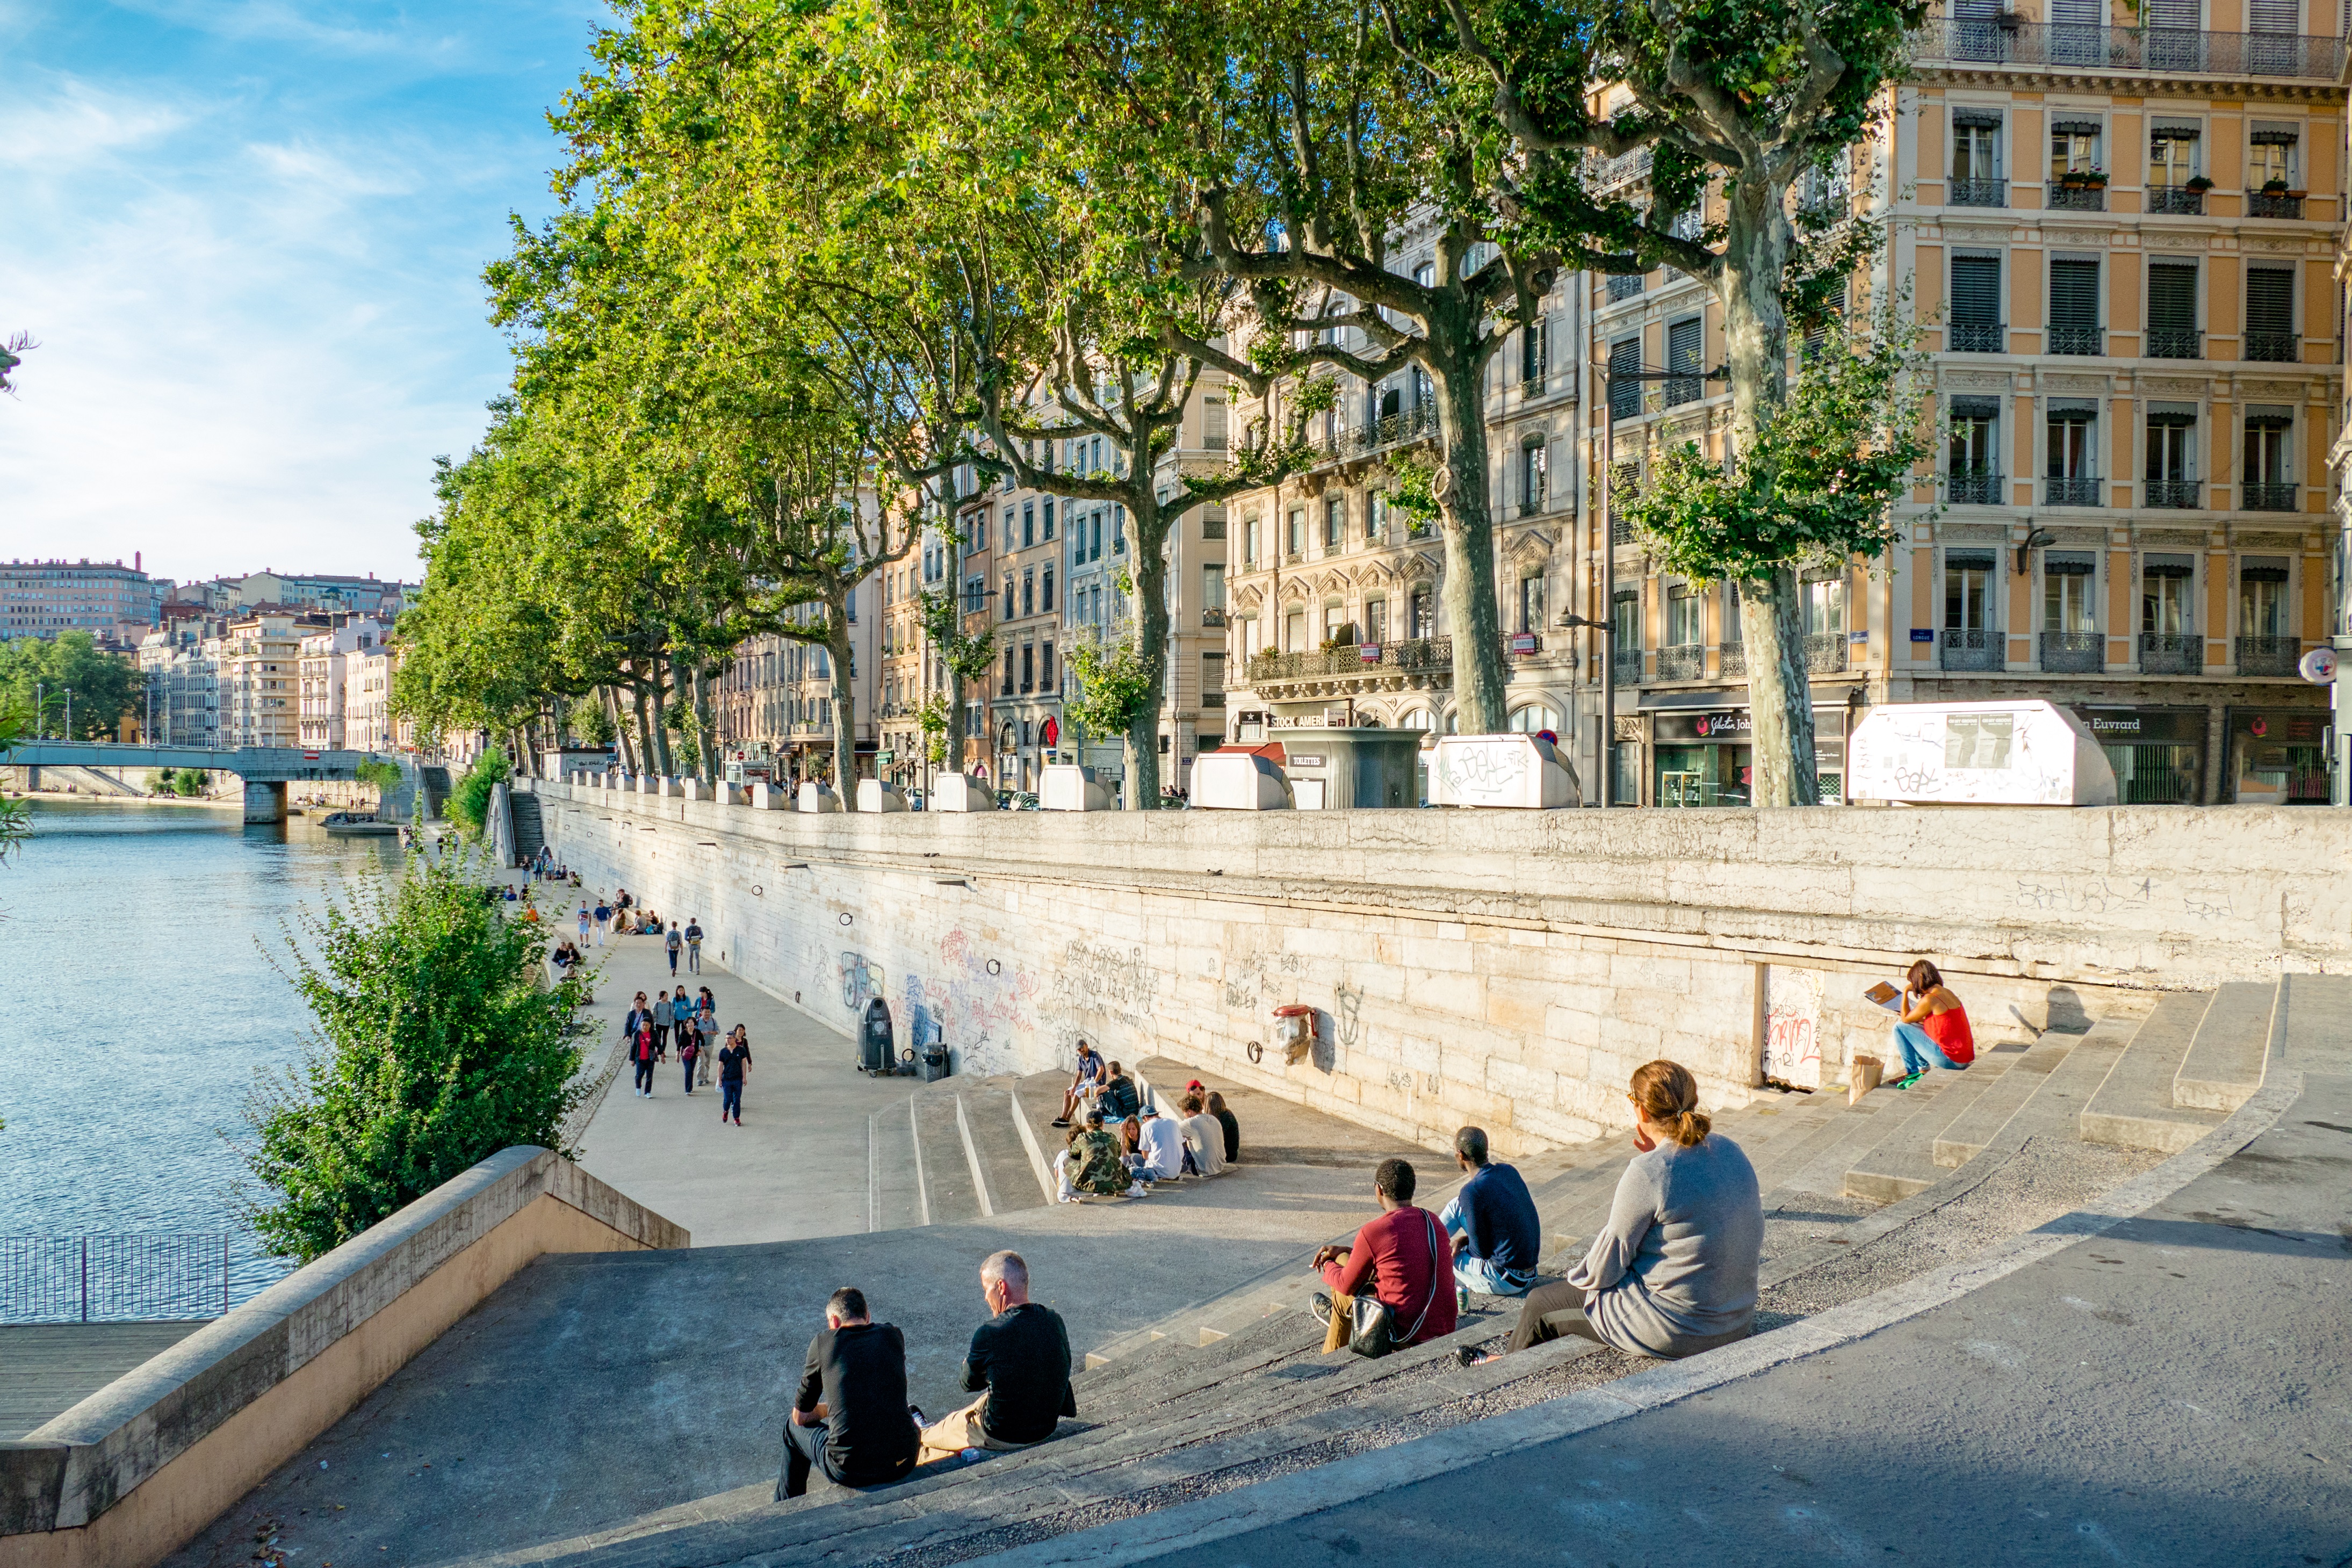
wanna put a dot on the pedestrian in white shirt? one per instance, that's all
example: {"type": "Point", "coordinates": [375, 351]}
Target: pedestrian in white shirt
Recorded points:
{"type": "Point", "coordinates": [1160, 1147]}
{"type": "Point", "coordinates": [1204, 1138]}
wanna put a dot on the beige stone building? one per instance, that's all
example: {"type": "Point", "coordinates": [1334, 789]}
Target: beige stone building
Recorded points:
{"type": "Point", "coordinates": [260, 677]}
{"type": "Point", "coordinates": [325, 690]}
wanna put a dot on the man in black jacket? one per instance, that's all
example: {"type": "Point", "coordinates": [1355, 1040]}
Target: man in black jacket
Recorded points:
{"type": "Point", "coordinates": [1118, 1099]}
{"type": "Point", "coordinates": [851, 1417]}
{"type": "Point", "coordinates": [1020, 1366]}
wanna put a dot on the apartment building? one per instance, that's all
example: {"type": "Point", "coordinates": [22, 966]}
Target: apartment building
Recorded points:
{"type": "Point", "coordinates": [180, 664]}
{"type": "Point", "coordinates": [261, 671]}
{"type": "Point", "coordinates": [778, 692]}
{"type": "Point", "coordinates": [327, 592]}
{"type": "Point", "coordinates": [368, 721]}
{"type": "Point", "coordinates": [1032, 578]}
{"type": "Point", "coordinates": [323, 680]}
{"type": "Point", "coordinates": [106, 599]}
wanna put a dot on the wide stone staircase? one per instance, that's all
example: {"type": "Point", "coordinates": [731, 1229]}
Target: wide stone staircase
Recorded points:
{"type": "Point", "coordinates": [530, 831]}
{"type": "Point", "coordinates": [1235, 1389]}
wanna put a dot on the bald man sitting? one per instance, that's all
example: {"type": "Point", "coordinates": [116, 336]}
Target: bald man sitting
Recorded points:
{"type": "Point", "coordinates": [1021, 1357]}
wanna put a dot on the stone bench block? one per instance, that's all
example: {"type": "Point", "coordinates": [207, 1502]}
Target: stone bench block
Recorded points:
{"type": "Point", "coordinates": [961, 792]}
{"type": "Point", "coordinates": [1238, 781]}
{"type": "Point", "coordinates": [772, 797]}
{"type": "Point", "coordinates": [874, 795]}
{"type": "Point", "coordinates": [817, 797]}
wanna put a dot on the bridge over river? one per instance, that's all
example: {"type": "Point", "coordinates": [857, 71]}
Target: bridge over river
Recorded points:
{"type": "Point", "coordinates": [264, 769]}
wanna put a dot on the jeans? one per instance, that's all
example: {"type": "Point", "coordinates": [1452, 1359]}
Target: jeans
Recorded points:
{"type": "Point", "coordinates": [693, 959]}
{"type": "Point", "coordinates": [804, 1448]}
{"type": "Point", "coordinates": [1477, 1273]}
{"type": "Point", "coordinates": [690, 1073]}
{"type": "Point", "coordinates": [1918, 1050]}
{"type": "Point", "coordinates": [730, 1100]}
{"type": "Point", "coordinates": [646, 1074]}
{"type": "Point", "coordinates": [672, 963]}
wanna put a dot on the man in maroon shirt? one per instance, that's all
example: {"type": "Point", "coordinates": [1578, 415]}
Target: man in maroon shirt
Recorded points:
{"type": "Point", "coordinates": [1395, 1259]}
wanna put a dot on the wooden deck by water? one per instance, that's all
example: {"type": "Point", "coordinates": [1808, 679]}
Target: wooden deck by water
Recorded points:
{"type": "Point", "coordinates": [48, 1369]}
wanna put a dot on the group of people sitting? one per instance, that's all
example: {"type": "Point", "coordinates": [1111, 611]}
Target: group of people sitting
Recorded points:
{"type": "Point", "coordinates": [1671, 1273]}
{"type": "Point", "coordinates": [851, 1417]}
{"type": "Point", "coordinates": [1120, 1142]}
{"type": "Point", "coordinates": [545, 867]}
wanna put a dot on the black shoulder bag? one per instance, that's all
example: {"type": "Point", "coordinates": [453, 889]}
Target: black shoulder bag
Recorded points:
{"type": "Point", "coordinates": [1373, 1331]}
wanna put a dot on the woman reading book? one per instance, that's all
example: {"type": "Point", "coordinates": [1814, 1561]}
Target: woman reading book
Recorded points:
{"type": "Point", "coordinates": [1934, 1027]}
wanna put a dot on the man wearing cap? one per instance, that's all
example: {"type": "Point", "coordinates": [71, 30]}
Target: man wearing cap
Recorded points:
{"type": "Point", "coordinates": [1160, 1148]}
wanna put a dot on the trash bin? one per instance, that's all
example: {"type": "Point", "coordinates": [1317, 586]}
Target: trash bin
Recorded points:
{"type": "Point", "coordinates": [874, 1053]}
{"type": "Point", "coordinates": [935, 1062]}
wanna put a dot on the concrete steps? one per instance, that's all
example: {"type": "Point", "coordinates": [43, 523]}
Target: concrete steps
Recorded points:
{"type": "Point", "coordinates": [2133, 1105]}
{"type": "Point", "coordinates": [953, 1152]}
{"type": "Point", "coordinates": [2233, 1041]}
{"type": "Point", "coordinates": [530, 830]}
{"type": "Point", "coordinates": [1904, 1161]}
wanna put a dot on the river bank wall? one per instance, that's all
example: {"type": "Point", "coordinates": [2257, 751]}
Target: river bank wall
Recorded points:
{"type": "Point", "coordinates": [1506, 968]}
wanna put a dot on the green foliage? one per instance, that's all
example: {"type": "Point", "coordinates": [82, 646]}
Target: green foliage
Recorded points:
{"type": "Point", "coordinates": [104, 685]}
{"type": "Point", "coordinates": [469, 802]}
{"type": "Point", "coordinates": [1820, 482]}
{"type": "Point", "coordinates": [590, 723]}
{"type": "Point", "coordinates": [1114, 684]}
{"type": "Point", "coordinates": [16, 816]}
{"type": "Point", "coordinates": [385, 776]}
{"type": "Point", "coordinates": [933, 718]}
{"type": "Point", "coordinates": [970, 656]}
{"type": "Point", "coordinates": [436, 1046]}
{"type": "Point", "coordinates": [1415, 494]}
{"type": "Point", "coordinates": [190, 781]}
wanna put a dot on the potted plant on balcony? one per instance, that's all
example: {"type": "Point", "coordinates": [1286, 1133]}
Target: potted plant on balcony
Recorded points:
{"type": "Point", "coordinates": [2084, 179]}
{"type": "Point", "coordinates": [2199, 183]}
{"type": "Point", "coordinates": [2275, 187]}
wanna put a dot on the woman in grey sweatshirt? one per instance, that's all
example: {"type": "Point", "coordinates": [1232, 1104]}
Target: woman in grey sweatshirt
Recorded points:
{"type": "Point", "coordinates": [1673, 1272]}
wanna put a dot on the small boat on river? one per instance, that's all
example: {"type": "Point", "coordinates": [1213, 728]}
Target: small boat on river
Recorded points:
{"type": "Point", "coordinates": [357, 825]}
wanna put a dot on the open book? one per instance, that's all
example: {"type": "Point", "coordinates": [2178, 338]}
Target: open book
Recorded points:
{"type": "Point", "coordinates": [1885, 995]}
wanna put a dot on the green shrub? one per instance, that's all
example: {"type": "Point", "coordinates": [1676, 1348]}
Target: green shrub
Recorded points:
{"type": "Point", "coordinates": [469, 802]}
{"type": "Point", "coordinates": [436, 1046]}
{"type": "Point", "coordinates": [385, 776]}
{"type": "Point", "coordinates": [192, 781]}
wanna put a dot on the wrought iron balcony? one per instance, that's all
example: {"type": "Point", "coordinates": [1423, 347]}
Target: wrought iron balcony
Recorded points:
{"type": "Point", "coordinates": [2180, 495]}
{"type": "Point", "coordinates": [1825, 652]}
{"type": "Point", "coordinates": [2273, 348]}
{"type": "Point", "coordinates": [1978, 192]}
{"type": "Point", "coordinates": [2175, 344]}
{"type": "Point", "coordinates": [1734, 661]}
{"type": "Point", "coordinates": [1603, 174]}
{"type": "Point", "coordinates": [2075, 492]}
{"type": "Point", "coordinates": [1624, 284]}
{"type": "Point", "coordinates": [1426, 654]}
{"type": "Point", "coordinates": [2171, 653]}
{"type": "Point", "coordinates": [2064, 198]}
{"type": "Point", "coordinates": [1976, 337]}
{"type": "Point", "coordinates": [2176, 200]}
{"type": "Point", "coordinates": [2269, 656]}
{"type": "Point", "coordinates": [2074, 652]}
{"type": "Point", "coordinates": [2254, 497]}
{"type": "Point", "coordinates": [2077, 341]}
{"type": "Point", "coordinates": [1627, 664]}
{"type": "Point", "coordinates": [2153, 51]}
{"type": "Point", "coordinates": [1687, 662]}
{"type": "Point", "coordinates": [1389, 430]}
{"type": "Point", "coordinates": [1971, 648]}
{"type": "Point", "coordinates": [1620, 529]}
{"type": "Point", "coordinates": [2272, 204]}
{"type": "Point", "coordinates": [1975, 487]}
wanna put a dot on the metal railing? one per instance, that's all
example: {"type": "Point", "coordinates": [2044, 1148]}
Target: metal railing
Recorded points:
{"type": "Point", "coordinates": [1975, 487]}
{"type": "Point", "coordinates": [2259, 497]}
{"type": "Point", "coordinates": [129, 1278]}
{"type": "Point", "coordinates": [2077, 492]}
{"type": "Point", "coordinates": [1825, 652]}
{"type": "Point", "coordinates": [2074, 652]}
{"type": "Point", "coordinates": [1620, 529]}
{"type": "Point", "coordinates": [1388, 430]}
{"type": "Point", "coordinates": [2273, 348]}
{"type": "Point", "coordinates": [2176, 495]}
{"type": "Point", "coordinates": [1971, 648]}
{"type": "Point", "coordinates": [1421, 653]}
{"type": "Point", "coordinates": [2175, 344]}
{"type": "Point", "coordinates": [2077, 341]}
{"type": "Point", "coordinates": [1627, 664]}
{"type": "Point", "coordinates": [2171, 653]}
{"type": "Point", "coordinates": [2064, 198]}
{"type": "Point", "coordinates": [2175, 200]}
{"type": "Point", "coordinates": [1686, 663]}
{"type": "Point", "coordinates": [2155, 50]}
{"type": "Point", "coordinates": [1733, 663]}
{"type": "Point", "coordinates": [2271, 204]}
{"type": "Point", "coordinates": [2269, 656]}
{"type": "Point", "coordinates": [1624, 284]}
{"type": "Point", "coordinates": [1603, 174]}
{"type": "Point", "coordinates": [1967, 193]}
{"type": "Point", "coordinates": [1975, 337]}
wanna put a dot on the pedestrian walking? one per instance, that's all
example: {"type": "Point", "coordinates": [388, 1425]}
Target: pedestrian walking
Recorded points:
{"type": "Point", "coordinates": [689, 1051]}
{"type": "Point", "coordinates": [694, 945]}
{"type": "Point", "coordinates": [584, 924]}
{"type": "Point", "coordinates": [673, 941]}
{"type": "Point", "coordinates": [681, 1013]}
{"type": "Point", "coordinates": [734, 1067]}
{"type": "Point", "coordinates": [706, 1025]}
{"type": "Point", "coordinates": [604, 919]}
{"type": "Point", "coordinates": [643, 1053]}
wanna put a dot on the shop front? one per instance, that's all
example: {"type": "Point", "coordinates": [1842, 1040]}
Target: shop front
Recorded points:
{"type": "Point", "coordinates": [2279, 757]}
{"type": "Point", "coordinates": [1707, 757]}
{"type": "Point", "coordinates": [2157, 753]}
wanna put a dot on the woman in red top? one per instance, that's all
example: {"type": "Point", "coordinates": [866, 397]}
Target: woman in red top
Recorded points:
{"type": "Point", "coordinates": [1396, 1258]}
{"type": "Point", "coordinates": [1934, 1027]}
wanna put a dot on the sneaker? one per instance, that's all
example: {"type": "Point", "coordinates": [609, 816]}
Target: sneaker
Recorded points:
{"type": "Point", "coordinates": [1461, 1301]}
{"type": "Point", "coordinates": [1061, 1121]}
{"type": "Point", "coordinates": [1321, 1307]}
{"type": "Point", "coordinates": [1467, 1356]}
{"type": "Point", "coordinates": [1908, 1079]}
{"type": "Point", "coordinates": [1139, 1190]}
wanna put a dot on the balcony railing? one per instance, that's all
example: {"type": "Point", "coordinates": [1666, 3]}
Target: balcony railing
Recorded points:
{"type": "Point", "coordinates": [1603, 174]}
{"type": "Point", "coordinates": [1978, 192]}
{"type": "Point", "coordinates": [2255, 498]}
{"type": "Point", "coordinates": [1971, 648]}
{"type": "Point", "coordinates": [1620, 529]}
{"type": "Point", "coordinates": [1825, 652]}
{"type": "Point", "coordinates": [2077, 492]}
{"type": "Point", "coordinates": [2157, 51]}
{"type": "Point", "coordinates": [2271, 204]}
{"type": "Point", "coordinates": [1388, 430]}
{"type": "Point", "coordinates": [2060, 198]}
{"type": "Point", "coordinates": [2269, 656]}
{"type": "Point", "coordinates": [2171, 653]}
{"type": "Point", "coordinates": [1975, 487]}
{"type": "Point", "coordinates": [2179, 495]}
{"type": "Point", "coordinates": [2175, 344]}
{"type": "Point", "coordinates": [1624, 284]}
{"type": "Point", "coordinates": [2077, 341]}
{"type": "Point", "coordinates": [1976, 337]}
{"type": "Point", "coordinates": [1734, 661]}
{"type": "Point", "coordinates": [2273, 348]}
{"type": "Point", "coordinates": [2074, 652]}
{"type": "Point", "coordinates": [2174, 199]}
{"type": "Point", "coordinates": [1427, 653]}
{"type": "Point", "coordinates": [1682, 664]}
{"type": "Point", "coordinates": [1627, 664]}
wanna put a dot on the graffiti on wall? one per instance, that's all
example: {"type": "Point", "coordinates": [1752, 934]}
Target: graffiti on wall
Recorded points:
{"type": "Point", "coordinates": [861, 982]}
{"type": "Point", "coordinates": [1792, 1026]}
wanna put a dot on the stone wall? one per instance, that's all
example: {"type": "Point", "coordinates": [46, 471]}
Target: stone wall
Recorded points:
{"type": "Point", "coordinates": [1509, 968]}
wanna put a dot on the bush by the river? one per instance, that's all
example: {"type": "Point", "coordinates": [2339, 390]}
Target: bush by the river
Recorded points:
{"type": "Point", "coordinates": [437, 1045]}
{"type": "Point", "coordinates": [469, 802]}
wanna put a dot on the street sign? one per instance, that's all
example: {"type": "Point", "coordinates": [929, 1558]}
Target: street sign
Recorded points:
{"type": "Point", "coordinates": [2318, 666]}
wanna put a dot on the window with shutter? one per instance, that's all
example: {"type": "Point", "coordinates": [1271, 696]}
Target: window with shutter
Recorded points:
{"type": "Point", "coordinates": [2172, 311]}
{"type": "Point", "coordinates": [2270, 314]}
{"type": "Point", "coordinates": [1625, 392]}
{"type": "Point", "coordinates": [2186, 14]}
{"type": "Point", "coordinates": [2273, 17]}
{"type": "Point", "coordinates": [2074, 307]}
{"type": "Point", "coordinates": [1976, 304]}
{"type": "Point", "coordinates": [1685, 347]}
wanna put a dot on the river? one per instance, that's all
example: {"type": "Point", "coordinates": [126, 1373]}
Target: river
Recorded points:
{"type": "Point", "coordinates": [145, 944]}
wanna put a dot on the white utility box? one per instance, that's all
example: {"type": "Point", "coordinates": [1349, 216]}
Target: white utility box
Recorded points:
{"type": "Point", "coordinates": [817, 797]}
{"type": "Point", "coordinates": [1070, 788]}
{"type": "Point", "coordinates": [768, 797]}
{"type": "Point", "coordinates": [1238, 781]}
{"type": "Point", "coordinates": [874, 795]}
{"type": "Point", "coordinates": [961, 792]}
{"type": "Point", "coordinates": [1977, 754]}
{"type": "Point", "coordinates": [1521, 771]}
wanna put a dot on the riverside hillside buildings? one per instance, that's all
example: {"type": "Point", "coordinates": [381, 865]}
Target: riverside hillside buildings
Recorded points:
{"type": "Point", "coordinates": [106, 599]}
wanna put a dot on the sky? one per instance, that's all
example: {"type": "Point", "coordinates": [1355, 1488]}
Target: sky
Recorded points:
{"type": "Point", "coordinates": [248, 236]}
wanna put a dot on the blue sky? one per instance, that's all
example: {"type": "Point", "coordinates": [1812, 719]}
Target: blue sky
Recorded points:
{"type": "Point", "coordinates": [248, 236]}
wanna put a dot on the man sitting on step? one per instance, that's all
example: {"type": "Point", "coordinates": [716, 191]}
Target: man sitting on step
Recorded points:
{"type": "Point", "coordinates": [1083, 1083]}
{"type": "Point", "coordinates": [1205, 1139]}
{"type": "Point", "coordinates": [851, 1418]}
{"type": "Point", "coordinates": [1496, 1236]}
{"type": "Point", "coordinates": [1019, 1364]}
{"type": "Point", "coordinates": [1396, 1258]}
{"type": "Point", "coordinates": [1119, 1098]}
{"type": "Point", "coordinates": [1160, 1148]}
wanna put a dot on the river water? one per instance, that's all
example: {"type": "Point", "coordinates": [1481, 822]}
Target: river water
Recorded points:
{"type": "Point", "coordinates": [138, 942]}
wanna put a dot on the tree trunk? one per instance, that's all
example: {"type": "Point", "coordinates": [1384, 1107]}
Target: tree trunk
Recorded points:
{"type": "Point", "coordinates": [658, 741]}
{"type": "Point", "coordinates": [646, 760]}
{"type": "Point", "coordinates": [845, 700]}
{"type": "Point", "coordinates": [1756, 334]}
{"type": "Point", "coordinates": [1480, 675]}
{"type": "Point", "coordinates": [955, 719]}
{"type": "Point", "coordinates": [621, 737]}
{"type": "Point", "coordinates": [1151, 573]}
{"type": "Point", "coordinates": [699, 683]}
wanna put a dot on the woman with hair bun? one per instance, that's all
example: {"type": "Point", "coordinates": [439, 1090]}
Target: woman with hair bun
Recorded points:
{"type": "Point", "coordinates": [1673, 1272]}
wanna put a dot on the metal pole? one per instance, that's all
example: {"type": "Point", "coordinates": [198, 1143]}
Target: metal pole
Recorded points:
{"type": "Point", "coordinates": [1606, 641]}
{"type": "Point", "coordinates": [224, 1273]}
{"type": "Point", "coordinates": [85, 1279]}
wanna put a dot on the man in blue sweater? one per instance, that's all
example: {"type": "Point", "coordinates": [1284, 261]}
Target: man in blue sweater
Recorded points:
{"type": "Point", "coordinates": [1496, 1236]}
